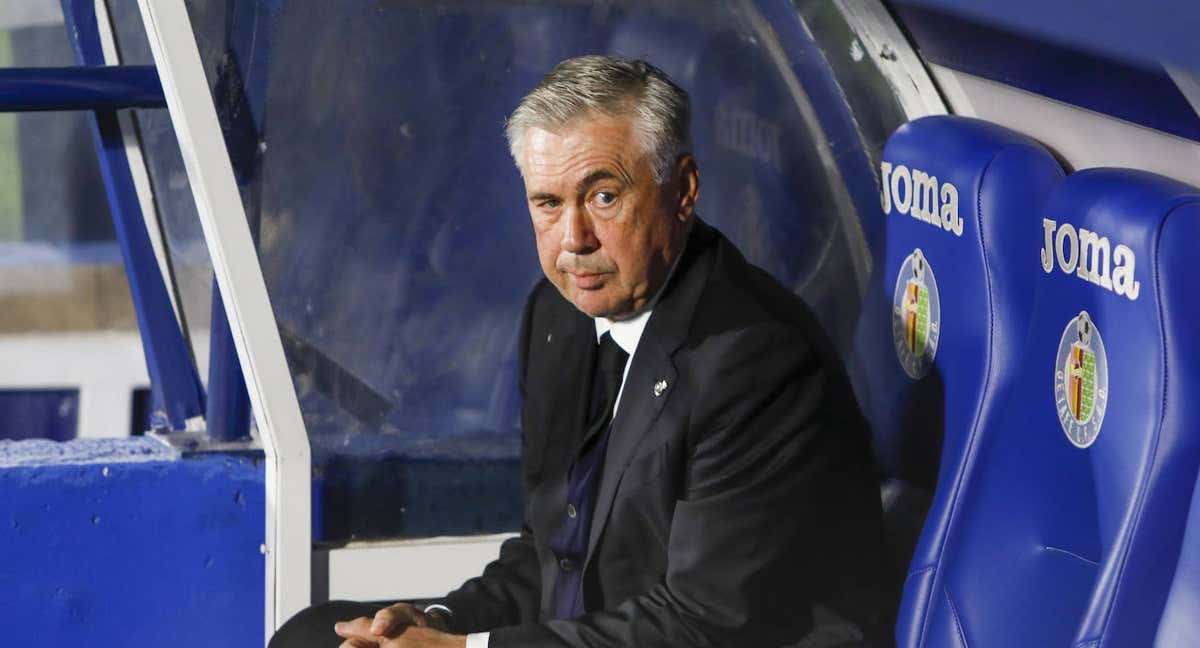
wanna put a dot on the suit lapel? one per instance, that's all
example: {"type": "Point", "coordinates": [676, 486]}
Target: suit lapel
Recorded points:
{"type": "Point", "coordinates": [652, 372]}
{"type": "Point", "coordinates": [638, 411]}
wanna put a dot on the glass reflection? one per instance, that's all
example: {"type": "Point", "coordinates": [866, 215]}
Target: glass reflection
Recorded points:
{"type": "Point", "coordinates": [392, 227]}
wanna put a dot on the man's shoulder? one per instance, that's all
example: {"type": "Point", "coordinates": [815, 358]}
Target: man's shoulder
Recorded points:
{"type": "Point", "coordinates": [546, 304]}
{"type": "Point", "coordinates": [739, 295]}
{"type": "Point", "coordinates": [542, 295]}
{"type": "Point", "coordinates": [749, 330]}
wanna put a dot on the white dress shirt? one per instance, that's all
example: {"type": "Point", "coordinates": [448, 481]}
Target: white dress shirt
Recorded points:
{"type": "Point", "coordinates": [478, 639]}
{"type": "Point", "coordinates": [626, 333]}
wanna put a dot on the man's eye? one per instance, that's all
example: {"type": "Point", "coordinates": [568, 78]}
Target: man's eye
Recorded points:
{"type": "Point", "coordinates": [606, 197]}
{"type": "Point", "coordinates": [550, 204]}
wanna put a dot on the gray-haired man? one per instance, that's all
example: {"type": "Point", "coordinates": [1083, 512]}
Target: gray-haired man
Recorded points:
{"type": "Point", "coordinates": [696, 470]}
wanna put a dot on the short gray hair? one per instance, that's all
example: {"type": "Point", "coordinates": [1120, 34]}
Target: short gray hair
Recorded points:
{"type": "Point", "coordinates": [613, 86]}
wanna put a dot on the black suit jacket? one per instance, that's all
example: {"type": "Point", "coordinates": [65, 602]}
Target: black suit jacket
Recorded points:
{"type": "Point", "coordinates": [735, 504]}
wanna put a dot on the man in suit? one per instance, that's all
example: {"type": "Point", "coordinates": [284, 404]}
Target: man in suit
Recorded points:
{"type": "Point", "coordinates": [696, 469]}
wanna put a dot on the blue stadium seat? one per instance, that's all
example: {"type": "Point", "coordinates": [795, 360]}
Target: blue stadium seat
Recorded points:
{"type": "Point", "coordinates": [1064, 527]}
{"type": "Point", "coordinates": [944, 309]}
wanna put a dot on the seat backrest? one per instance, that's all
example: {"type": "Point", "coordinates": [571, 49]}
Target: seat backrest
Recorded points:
{"type": "Point", "coordinates": [1145, 474]}
{"type": "Point", "coordinates": [943, 310]}
{"type": "Point", "coordinates": [1070, 507]}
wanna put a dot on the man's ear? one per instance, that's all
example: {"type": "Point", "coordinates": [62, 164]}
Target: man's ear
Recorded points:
{"type": "Point", "coordinates": [687, 183]}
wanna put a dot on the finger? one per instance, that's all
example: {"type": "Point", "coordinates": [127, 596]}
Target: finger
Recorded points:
{"type": "Point", "coordinates": [417, 637]}
{"type": "Point", "coordinates": [385, 620]}
{"type": "Point", "coordinates": [421, 620]}
{"type": "Point", "coordinates": [359, 629]}
{"type": "Point", "coordinates": [402, 641]}
{"type": "Point", "coordinates": [355, 643]}
{"type": "Point", "coordinates": [390, 619]}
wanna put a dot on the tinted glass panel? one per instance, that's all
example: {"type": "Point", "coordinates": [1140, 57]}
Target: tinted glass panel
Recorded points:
{"type": "Point", "coordinates": [392, 224]}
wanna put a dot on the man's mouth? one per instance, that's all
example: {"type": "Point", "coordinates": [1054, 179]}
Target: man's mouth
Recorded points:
{"type": "Point", "coordinates": [588, 280]}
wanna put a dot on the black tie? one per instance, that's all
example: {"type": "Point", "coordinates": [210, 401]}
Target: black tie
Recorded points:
{"type": "Point", "coordinates": [606, 384]}
{"type": "Point", "coordinates": [570, 542]}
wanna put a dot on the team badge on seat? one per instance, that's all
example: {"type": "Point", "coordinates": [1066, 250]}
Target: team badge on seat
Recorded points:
{"type": "Point", "coordinates": [916, 315]}
{"type": "Point", "coordinates": [1081, 381]}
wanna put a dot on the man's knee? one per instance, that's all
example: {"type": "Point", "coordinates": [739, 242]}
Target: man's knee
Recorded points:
{"type": "Point", "coordinates": [313, 627]}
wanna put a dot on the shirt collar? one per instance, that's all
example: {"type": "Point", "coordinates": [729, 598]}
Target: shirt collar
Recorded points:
{"type": "Point", "coordinates": [626, 333]}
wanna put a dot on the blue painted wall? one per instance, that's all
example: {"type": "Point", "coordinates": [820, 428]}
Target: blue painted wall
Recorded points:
{"type": "Point", "coordinates": [123, 543]}
{"type": "Point", "coordinates": [1102, 80]}
{"type": "Point", "coordinates": [1147, 32]}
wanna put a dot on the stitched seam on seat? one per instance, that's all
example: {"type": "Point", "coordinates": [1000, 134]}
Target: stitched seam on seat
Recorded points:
{"type": "Point", "coordinates": [1071, 554]}
{"type": "Point", "coordinates": [918, 572]}
{"type": "Point", "coordinates": [1162, 413]}
{"type": "Point", "coordinates": [954, 617]}
{"type": "Point", "coordinates": [970, 445]}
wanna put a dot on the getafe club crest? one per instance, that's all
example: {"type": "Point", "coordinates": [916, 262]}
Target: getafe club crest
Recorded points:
{"type": "Point", "coordinates": [916, 315]}
{"type": "Point", "coordinates": [1081, 381]}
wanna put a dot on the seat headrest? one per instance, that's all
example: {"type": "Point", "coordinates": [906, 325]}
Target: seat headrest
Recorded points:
{"type": "Point", "coordinates": [954, 191]}
{"type": "Point", "coordinates": [1110, 242]}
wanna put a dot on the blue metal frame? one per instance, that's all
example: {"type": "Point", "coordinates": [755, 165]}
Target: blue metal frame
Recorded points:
{"type": "Point", "coordinates": [79, 88]}
{"type": "Point", "coordinates": [174, 381]}
{"type": "Point", "coordinates": [244, 89]}
{"type": "Point", "coordinates": [228, 413]}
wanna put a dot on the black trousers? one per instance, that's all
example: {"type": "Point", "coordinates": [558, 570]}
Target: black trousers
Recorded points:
{"type": "Point", "coordinates": [313, 627]}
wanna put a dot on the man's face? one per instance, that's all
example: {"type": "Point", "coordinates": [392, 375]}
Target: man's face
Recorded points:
{"type": "Point", "coordinates": [606, 231]}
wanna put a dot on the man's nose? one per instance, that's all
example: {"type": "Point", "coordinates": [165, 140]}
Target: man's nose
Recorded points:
{"type": "Point", "coordinates": [578, 237]}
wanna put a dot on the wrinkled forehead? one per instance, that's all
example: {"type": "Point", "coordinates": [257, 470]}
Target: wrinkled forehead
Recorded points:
{"type": "Point", "coordinates": [581, 147]}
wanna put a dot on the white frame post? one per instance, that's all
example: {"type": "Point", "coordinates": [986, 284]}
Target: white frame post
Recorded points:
{"type": "Point", "coordinates": [885, 42]}
{"type": "Point", "coordinates": [247, 305]}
